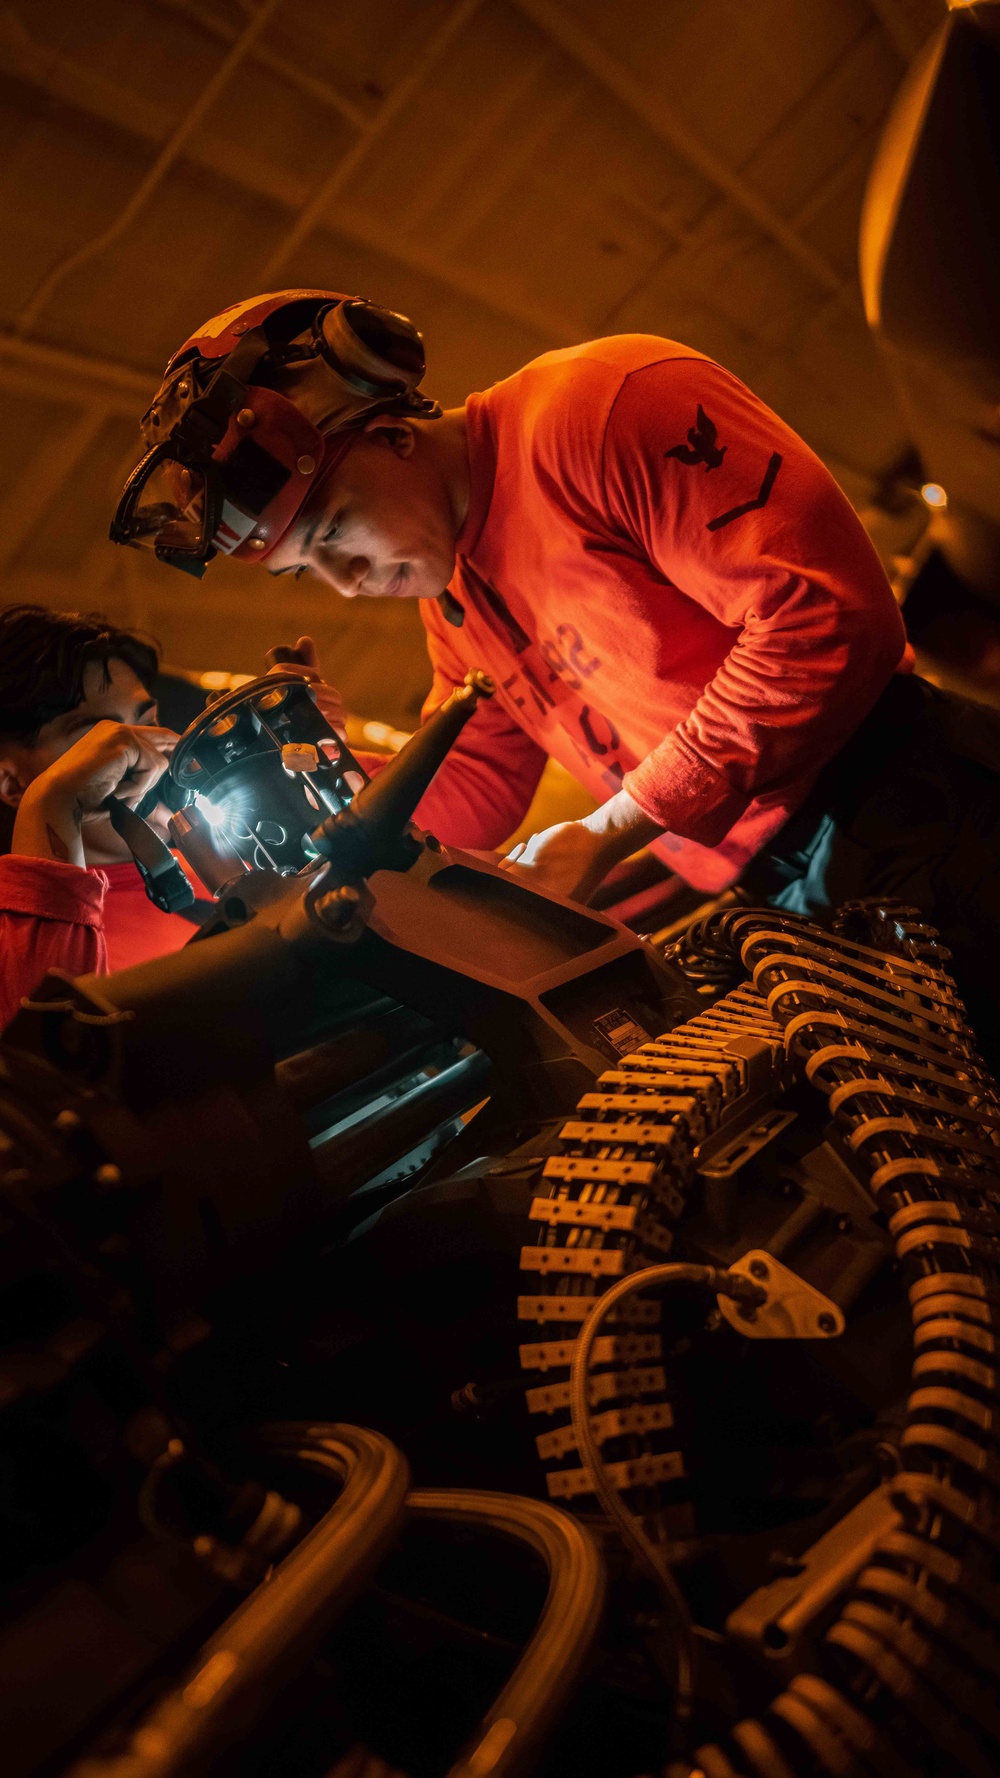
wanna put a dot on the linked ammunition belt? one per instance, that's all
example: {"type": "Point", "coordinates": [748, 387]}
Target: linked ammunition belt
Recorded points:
{"type": "Point", "coordinates": [607, 1204]}
{"type": "Point", "coordinates": [910, 1668]}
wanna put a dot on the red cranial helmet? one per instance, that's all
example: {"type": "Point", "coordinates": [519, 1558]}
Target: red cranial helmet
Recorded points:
{"type": "Point", "coordinates": [254, 410]}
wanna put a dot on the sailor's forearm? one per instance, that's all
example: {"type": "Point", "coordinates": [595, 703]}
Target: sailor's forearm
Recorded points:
{"type": "Point", "coordinates": [48, 825]}
{"type": "Point", "coordinates": [621, 828]}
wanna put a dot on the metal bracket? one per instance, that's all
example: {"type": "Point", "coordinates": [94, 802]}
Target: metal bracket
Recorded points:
{"type": "Point", "coordinates": [734, 1154]}
{"type": "Point", "coordinates": [783, 1622]}
{"type": "Point", "coordinates": [793, 1310]}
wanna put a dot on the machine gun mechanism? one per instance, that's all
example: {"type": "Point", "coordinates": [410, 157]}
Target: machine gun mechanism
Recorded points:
{"type": "Point", "coordinates": [687, 1223]}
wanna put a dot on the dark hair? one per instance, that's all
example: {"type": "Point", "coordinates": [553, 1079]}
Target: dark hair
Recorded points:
{"type": "Point", "coordinates": [43, 656]}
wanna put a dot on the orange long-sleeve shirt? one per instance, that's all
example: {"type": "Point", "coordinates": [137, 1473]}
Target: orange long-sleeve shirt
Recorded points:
{"type": "Point", "coordinates": [58, 916]}
{"type": "Point", "coordinates": [88, 922]}
{"type": "Point", "coordinates": [671, 593]}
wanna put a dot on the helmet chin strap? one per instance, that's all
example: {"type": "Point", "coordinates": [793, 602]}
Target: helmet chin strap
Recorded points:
{"type": "Point", "coordinates": [164, 881]}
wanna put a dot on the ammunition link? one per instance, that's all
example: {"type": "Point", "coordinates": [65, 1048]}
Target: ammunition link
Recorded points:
{"type": "Point", "coordinates": [610, 1199]}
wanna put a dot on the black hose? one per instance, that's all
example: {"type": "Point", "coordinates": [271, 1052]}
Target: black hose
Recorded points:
{"type": "Point", "coordinates": [240, 1669]}
{"type": "Point", "coordinates": [514, 1730]}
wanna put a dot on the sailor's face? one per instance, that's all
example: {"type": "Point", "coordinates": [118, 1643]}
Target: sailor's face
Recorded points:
{"type": "Point", "coordinates": [380, 526]}
{"type": "Point", "coordinates": [112, 695]}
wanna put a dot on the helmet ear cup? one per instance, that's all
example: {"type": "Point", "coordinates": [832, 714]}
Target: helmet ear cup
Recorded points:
{"type": "Point", "coordinates": [376, 352]}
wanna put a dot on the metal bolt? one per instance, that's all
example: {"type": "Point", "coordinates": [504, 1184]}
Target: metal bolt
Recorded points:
{"type": "Point", "coordinates": [183, 388]}
{"type": "Point", "coordinates": [246, 417]}
{"type": "Point", "coordinates": [258, 543]}
{"type": "Point", "coordinates": [306, 465]}
{"type": "Point", "coordinates": [468, 1400]}
{"type": "Point", "coordinates": [338, 907]}
{"type": "Point", "coordinates": [826, 1323]}
{"type": "Point", "coordinates": [758, 1269]}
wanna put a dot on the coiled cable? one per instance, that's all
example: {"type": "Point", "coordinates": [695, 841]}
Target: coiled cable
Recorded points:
{"type": "Point", "coordinates": [514, 1729]}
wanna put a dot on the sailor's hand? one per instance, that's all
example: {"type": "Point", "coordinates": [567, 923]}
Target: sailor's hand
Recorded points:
{"type": "Point", "coordinates": [574, 857]}
{"type": "Point", "coordinates": [112, 758]}
{"type": "Point", "coordinates": [306, 663]}
{"type": "Point", "coordinates": [563, 860]}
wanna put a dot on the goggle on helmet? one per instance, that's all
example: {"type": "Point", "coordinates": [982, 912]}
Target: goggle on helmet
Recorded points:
{"type": "Point", "coordinates": [254, 410]}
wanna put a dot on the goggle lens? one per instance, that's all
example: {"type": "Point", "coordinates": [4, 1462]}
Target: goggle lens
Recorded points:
{"type": "Point", "coordinates": [168, 509]}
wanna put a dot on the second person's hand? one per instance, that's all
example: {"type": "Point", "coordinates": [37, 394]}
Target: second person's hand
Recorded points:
{"type": "Point", "coordinates": [328, 699]}
{"type": "Point", "coordinates": [112, 758]}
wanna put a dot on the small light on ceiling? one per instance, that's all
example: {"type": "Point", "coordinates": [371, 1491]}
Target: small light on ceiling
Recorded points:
{"type": "Point", "coordinates": [934, 496]}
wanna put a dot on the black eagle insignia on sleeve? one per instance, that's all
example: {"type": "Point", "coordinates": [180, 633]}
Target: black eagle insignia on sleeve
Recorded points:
{"type": "Point", "coordinates": [701, 446]}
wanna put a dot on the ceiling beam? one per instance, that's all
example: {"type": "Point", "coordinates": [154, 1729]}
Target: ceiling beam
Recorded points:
{"type": "Point", "coordinates": [483, 288]}
{"type": "Point", "coordinates": [474, 200]}
{"type": "Point", "coordinates": [125, 388]}
{"type": "Point", "coordinates": [553, 18]}
{"type": "Point", "coordinates": [853, 169]}
{"type": "Point", "coordinates": [95, 96]}
{"type": "Point", "coordinates": [290, 72]}
{"type": "Point", "coordinates": [58, 375]}
{"type": "Point", "coordinates": [896, 27]}
{"type": "Point", "coordinates": [469, 158]}
{"type": "Point", "coordinates": [154, 176]}
{"type": "Point", "coordinates": [316, 210]}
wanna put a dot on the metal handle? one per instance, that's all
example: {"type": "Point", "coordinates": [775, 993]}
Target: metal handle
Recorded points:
{"type": "Point", "coordinates": [372, 834]}
{"type": "Point", "coordinates": [165, 882]}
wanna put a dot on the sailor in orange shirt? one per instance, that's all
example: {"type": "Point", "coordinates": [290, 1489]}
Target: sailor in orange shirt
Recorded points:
{"type": "Point", "coordinates": [672, 594]}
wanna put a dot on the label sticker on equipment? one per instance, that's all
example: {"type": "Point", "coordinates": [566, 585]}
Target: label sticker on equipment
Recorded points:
{"type": "Point", "coordinates": [620, 1030]}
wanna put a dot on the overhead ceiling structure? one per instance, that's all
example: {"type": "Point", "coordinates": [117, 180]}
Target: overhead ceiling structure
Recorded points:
{"type": "Point", "coordinates": [513, 174]}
